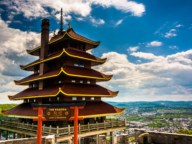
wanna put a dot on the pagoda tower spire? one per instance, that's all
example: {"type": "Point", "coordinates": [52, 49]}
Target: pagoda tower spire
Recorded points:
{"type": "Point", "coordinates": [61, 21]}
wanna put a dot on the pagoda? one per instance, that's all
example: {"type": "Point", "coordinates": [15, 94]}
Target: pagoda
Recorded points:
{"type": "Point", "coordinates": [63, 74]}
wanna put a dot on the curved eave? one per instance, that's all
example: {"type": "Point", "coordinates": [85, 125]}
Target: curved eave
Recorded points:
{"type": "Point", "coordinates": [62, 71]}
{"type": "Point", "coordinates": [31, 51]}
{"type": "Point", "coordinates": [85, 116]}
{"type": "Point", "coordinates": [66, 33]}
{"type": "Point", "coordinates": [10, 97]}
{"type": "Point", "coordinates": [4, 111]}
{"type": "Point", "coordinates": [60, 91]}
{"type": "Point", "coordinates": [62, 53]}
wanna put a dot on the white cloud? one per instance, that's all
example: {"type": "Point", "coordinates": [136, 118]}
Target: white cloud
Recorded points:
{"type": "Point", "coordinates": [146, 55]}
{"type": "Point", "coordinates": [37, 8]}
{"type": "Point", "coordinates": [174, 47]}
{"type": "Point", "coordinates": [65, 17]}
{"type": "Point", "coordinates": [96, 22]}
{"type": "Point", "coordinates": [161, 78]}
{"type": "Point", "coordinates": [90, 51]}
{"type": "Point", "coordinates": [138, 61]}
{"type": "Point", "coordinates": [171, 33]}
{"type": "Point", "coordinates": [5, 100]}
{"type": "Point", "coordinates": [179, 25]}
{"type": "Point", "coordinates": [132, 49]}
{"type": "Point", "coordinates": [80, 19]}
{"type": "Point", "coordinates": [154, 43]}
{"type": "Point", "coordinates": [119, 22]}
{"type": "Point", "coordinates": [13, 48]}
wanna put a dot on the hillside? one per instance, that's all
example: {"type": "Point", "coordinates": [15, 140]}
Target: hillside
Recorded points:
{"type": "Point", "coordinates": [6, 107]}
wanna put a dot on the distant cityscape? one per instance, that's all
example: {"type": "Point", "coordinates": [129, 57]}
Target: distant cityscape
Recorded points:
{"type": "Point", "coordinates": [160, 116]}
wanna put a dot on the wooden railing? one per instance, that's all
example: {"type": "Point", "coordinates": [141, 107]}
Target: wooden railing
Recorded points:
{"type": "Point", "coordinates": [63, 131]}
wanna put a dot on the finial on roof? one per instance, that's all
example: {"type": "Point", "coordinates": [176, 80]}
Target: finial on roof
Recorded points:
{"type": "Point", "coordinates": [69, 26]}
{"type": "Point", "coordinates": [61, 21]}
{"type": "Point", "coordinates": [54, 33]}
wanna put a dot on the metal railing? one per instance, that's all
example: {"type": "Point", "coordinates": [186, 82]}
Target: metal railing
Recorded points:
{"type": "Point", "coordinates": [63, 131]}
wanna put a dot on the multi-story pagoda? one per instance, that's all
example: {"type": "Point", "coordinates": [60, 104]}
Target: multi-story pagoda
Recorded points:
{"type": "Point", "coordinates": [63, 74]}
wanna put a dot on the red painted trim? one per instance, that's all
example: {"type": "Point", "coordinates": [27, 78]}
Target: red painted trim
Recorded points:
{"type": "Point", "coordinates": [76, 113]}
{"type": "Point", "coordinates": [39, 128]}
{"type": "Point", "coordinates": [37, 108]}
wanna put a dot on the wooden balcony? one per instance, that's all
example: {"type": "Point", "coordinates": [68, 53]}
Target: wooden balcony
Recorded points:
{"type": "Point", "coordinates": [31, 129]}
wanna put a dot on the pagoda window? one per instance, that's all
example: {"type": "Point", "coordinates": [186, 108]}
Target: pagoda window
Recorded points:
{"type": "Point", "coordinates": [33, 85]}
{"type": "Point", "coordinates": [81, 64]}
{"type": "Point", "coordinates": [73, 80]}
{"type": "Point", "coordinates": [81, 47]}
{"type": "Point", "coordinates": [51, 50]}
{"type": "Point", "coordinates": [81, 81]}
{"type": "Point", "coordinates": [74, 98]}
{"type": "Point", "coordinates": [76, 62]}
{"type": "Point", "coordinates": [57, 98]}
{"type": "Point", "coordinates": [28, 100]}
{"type": "Point", "coordinates": [34, 100]}
{"type": "Point", "coordinates": [88, 81]}
{"type": "Point", "coordinates": [49, 99]}
{"type": "Point", "coordinates": [59, 81]}
{"type": "Point", "coordinates": [83, 98]}
{"type": "Point", "coordinates": [92, 98]}
{"type": "Point", "coordinates": [61, 64]}
{"type": "Point", "coordinates": [73, 44]}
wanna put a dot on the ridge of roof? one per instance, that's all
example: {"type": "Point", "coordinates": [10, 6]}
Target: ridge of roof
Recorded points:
{"type": "Point", "coordinates": [65, 89]}
{"type": "Point", "coordinates": [89, 110]}
{"type": "Point", "coordinates": [66, 51]}
{"type": "Point", "coordinates": [73, 35]}
{"type": "Point", "coordinates": [66, 71]}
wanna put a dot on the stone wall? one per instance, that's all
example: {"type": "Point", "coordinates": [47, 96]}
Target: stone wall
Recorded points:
{"type": "Point", "coordinates": [45, 140]}
{"type": "Point", "coordinates": [162, 138]}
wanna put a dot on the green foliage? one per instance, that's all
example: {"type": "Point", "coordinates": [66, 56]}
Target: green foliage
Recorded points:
{"type": "Point", "coordinates": [6, 107]}
{"type": "Point", "coordinates": [182, 131]}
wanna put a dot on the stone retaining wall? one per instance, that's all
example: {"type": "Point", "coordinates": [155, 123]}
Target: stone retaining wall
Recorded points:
{"type": "Point", "coordinates": [45, 140]}
{"type": "Point", "coordinates": [163, 138]}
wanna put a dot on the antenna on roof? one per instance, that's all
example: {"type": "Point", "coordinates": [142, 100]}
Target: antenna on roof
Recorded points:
{"type": "Point", "coordinates": [61, 21]}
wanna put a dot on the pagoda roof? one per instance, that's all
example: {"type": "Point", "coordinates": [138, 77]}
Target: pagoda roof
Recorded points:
{"type": "Point", "coordinates": [67, 34]}
{"type": "Point", "coordinates": [91, 109]}
{"type": "Point", "coordinates": [67, 52]}
{"type": "Point", "coordinates": [67, 89]}
{"type": "Point", "coordinates": [69, 71]}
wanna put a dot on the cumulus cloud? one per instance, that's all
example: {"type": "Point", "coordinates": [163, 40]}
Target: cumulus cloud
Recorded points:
{"type": "Point", "coordinates": [171, 33]}
{"type": "Point", "coordinates": [13, 53]}
{"type": "Point", "coordinates": [4, 99]}
{"type": "Point", "coordinates": [132, 49]}
{"type": "Point", "coordinates": [154, 43]}
{"type": "Point", "coordinates": [37, 8]}
{"type": "Point", "coordinates": [96, 21]}
{"type": "Point", "coordinates": [138, 61]}
{"type": "Point", "coordinates": [65, 17]}
{"type": "Point", "coordinates": [13, 48]}
{"type": "Point", "coordinates": [146, 55]}
{"type": "Point", "coordinates": [161, 78]}
{"type": "Point", "coordinates": [80, 19]}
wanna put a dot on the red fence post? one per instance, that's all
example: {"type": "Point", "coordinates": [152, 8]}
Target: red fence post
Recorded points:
{"type": "Point", "coordinates": [76, 125]}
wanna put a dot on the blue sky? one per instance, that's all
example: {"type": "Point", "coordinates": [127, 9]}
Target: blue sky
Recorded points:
{"type": "Point", "coordinates": [147, 43]}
